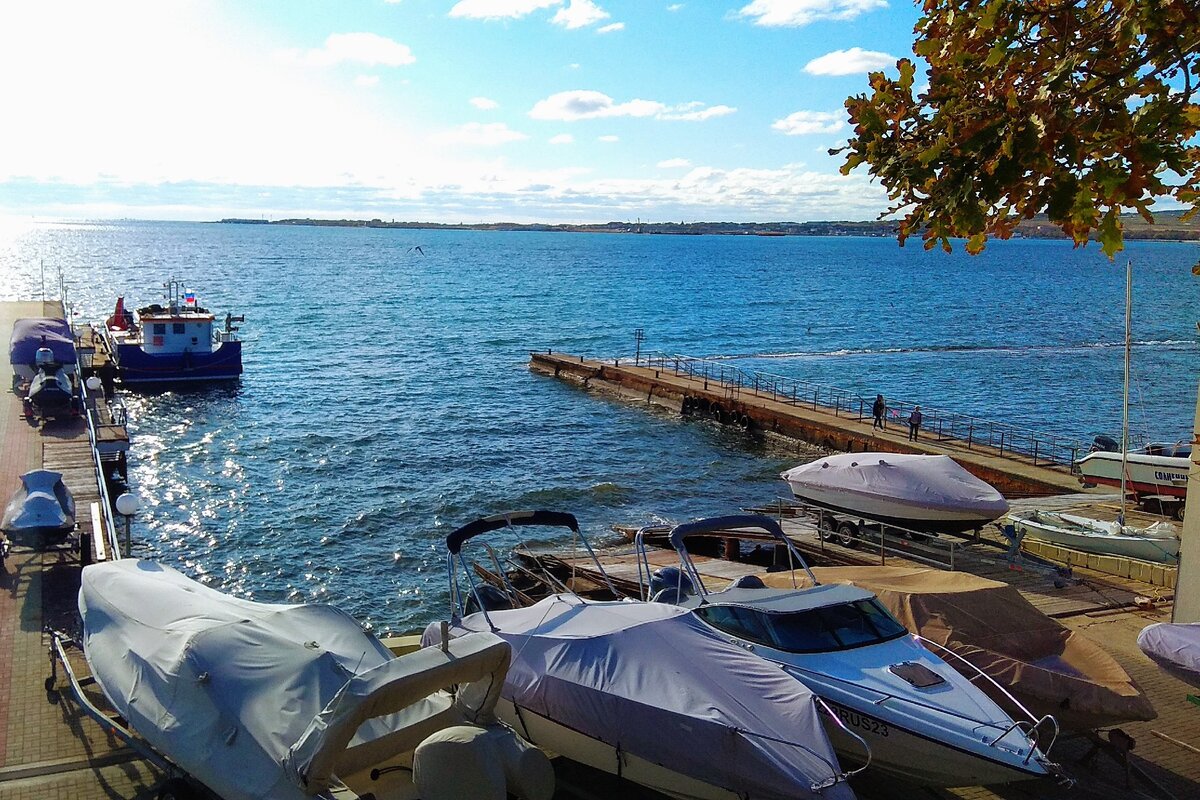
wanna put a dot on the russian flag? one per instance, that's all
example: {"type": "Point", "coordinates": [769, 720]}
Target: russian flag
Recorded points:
{"type": "Point", "coordinates": [189, 298]}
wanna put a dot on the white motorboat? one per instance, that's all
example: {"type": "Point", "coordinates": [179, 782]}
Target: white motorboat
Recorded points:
{"type": "Point", "coordinates": [926, 493]}
{"type": "Point", "coordinates": [645, 690]}
{"type": "Point", "coordinates": [1156, 469]}
{"type": "Point", "coordinates": [41, 510]}
{"type": "Point", "coordinates": [1159, 542]}
{"type": "Point", "coordinates": [1174, 646]}
{"type": "Point", "coordinates": [257, 700]}
{"type": "Point", "coordinates": [923, 721]}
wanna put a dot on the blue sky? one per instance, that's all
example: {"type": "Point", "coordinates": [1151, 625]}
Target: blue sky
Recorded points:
{"type": "Point", "coordinates": [477, 110]}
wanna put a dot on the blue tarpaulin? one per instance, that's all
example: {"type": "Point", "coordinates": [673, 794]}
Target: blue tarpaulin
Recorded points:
{"type": "Point", "coordinates": [33, 332]}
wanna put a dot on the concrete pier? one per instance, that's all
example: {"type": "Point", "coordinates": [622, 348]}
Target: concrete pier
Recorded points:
{"type": "Point", "coordinates": [1015, 473]}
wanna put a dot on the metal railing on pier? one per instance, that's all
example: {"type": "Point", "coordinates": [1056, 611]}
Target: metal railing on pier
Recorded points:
{"type": "Point", "coordinates": [937, 424]}
{"type": "Point", "coordinates": [91, 411]}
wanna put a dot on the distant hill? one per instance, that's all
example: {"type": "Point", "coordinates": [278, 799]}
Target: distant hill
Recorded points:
{"type": "Point", "coordinates": [1167, 225]}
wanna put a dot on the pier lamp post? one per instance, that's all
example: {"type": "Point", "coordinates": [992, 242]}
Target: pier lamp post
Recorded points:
{"type": "Point", "coordinates": [127, 506]}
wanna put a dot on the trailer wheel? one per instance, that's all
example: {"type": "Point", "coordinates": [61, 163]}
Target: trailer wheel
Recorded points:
{"type": "Point", "coordinates": [177, 789]}
{"type": "Point", "coordinates": [847, 534]}
{"type": "Point", "coordinates": [1179, 511]}
{"type": "Point", "coordinates": [827, 526]}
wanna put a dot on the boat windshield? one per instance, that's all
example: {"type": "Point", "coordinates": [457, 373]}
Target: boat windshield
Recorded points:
{"type": "Point", "coordinates": [816, 630]}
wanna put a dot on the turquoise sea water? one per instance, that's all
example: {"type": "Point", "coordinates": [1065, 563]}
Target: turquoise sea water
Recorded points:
{"type": "Point", "coordinates": [387, 397]}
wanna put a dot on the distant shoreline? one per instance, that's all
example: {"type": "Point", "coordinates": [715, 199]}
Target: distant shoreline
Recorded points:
{"type": "Point", "coordinates": [1168, 227]}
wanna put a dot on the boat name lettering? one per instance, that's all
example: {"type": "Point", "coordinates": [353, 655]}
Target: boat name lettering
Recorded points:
{"type": "Point", "coordinates": [857, 720]}
{"type": "Point", "coordinates": [1159, 475]}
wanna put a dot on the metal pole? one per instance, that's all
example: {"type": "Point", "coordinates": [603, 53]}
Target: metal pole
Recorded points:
{"type": "Point", "coordinates": [1125, 392]}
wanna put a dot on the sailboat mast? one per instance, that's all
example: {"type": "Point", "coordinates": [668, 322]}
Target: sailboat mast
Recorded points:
{"type": "Point", "coordinates": [1125, 392]}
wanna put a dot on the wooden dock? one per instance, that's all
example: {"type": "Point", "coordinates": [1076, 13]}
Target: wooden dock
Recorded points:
{"type": "Point", "coordinates": [48, 748]}
{"type": "Point", "coordinates": [1017, 471]}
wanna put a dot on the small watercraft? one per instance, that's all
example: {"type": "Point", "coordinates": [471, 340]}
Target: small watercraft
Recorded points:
{"type": "Point", "coordinates": [645, 691]}
{"type": "Point", "coordinates": [1174, 646]}
{"type": "Point", "coordinates": [42, 510]}
{"type": "Point", "coordinates": [1158, 469]}
{"type": "Point", "coordinates": [257, 700]}
{"type": "Point", "coordinates": [987, 626]}
{"type": "Point", "coordinates": [923, 720]}
{"type": "Point", "coordinates": [173, 342]}
{"type": "Point", "coordinates": [31, 334]}
{"type": "Point", "coordinates": [924, 493]}
{"type": "Point", "coordinates": [51, 392]}
{"type": "Point", "coordinates": [1158, 542]}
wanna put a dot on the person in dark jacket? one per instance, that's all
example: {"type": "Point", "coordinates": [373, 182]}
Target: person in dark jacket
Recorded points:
{"type": "Point", "coordinates": [878, 410]}
{"type": "Point", "coordinates": [914, 423]}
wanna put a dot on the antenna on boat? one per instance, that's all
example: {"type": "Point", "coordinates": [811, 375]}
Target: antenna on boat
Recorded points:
{"type": "Point", "coordinates": [1125, 392]}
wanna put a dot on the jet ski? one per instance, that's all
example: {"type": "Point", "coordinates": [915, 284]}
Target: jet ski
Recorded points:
{"type": "Point", "coordinates": [42, 510]}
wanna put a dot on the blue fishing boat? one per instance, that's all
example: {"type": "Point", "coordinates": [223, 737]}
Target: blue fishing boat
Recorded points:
{"type": "Point", "coordinates": [173, 342]}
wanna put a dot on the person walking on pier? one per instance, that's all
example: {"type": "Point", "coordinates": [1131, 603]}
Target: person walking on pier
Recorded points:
{"type": "Point", "coordinates": [878, 410]}
{"type": "Point", "coordinates": [914, 423]}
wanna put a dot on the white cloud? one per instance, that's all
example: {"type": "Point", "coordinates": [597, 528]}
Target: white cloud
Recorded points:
{"type": "Point", "coordinates": [692, 113]}
{"type": "Point", "coordinates": [354, 48]}
{"type": "Point", "coordinates": [672, 163]}
{"type": "Point", "coordinates": [675, 7]}
{"type": "Point", "coordinates": [366, 80]}
{"type": "Point", "coordinates": [580, 104]}
{"type": "Point", "coordinates": [795, 13]}
{"type": "Point", "coordinates": [562, 138]}
{"type": "Point", "coordinates": [616, 26]}
{"type": "Point", "coordinates": [849, 62]}
{"type": "Point", "coordinates": [579, 14]}
{"type": "Point", "coordinates": [484, 103]}
{"type": "Point", "coordinates": [803, 122]}
{"type": "Point", "coordinates": [499, 9]}
{"type": "Point", "coordinates": [480, 134]}
{"type": "Point", "coordinates": [608, 138]}
{"type": "Point", "coordinates": [584, 104]}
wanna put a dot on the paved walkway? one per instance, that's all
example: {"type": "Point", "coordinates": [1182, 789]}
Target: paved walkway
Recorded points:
{"type": "Point", "coordinates": [48, 748]}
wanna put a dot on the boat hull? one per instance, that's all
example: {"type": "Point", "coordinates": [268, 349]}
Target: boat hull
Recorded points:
{"type": "Point", "coordinates": [892, 511]}
{"type": "Point", "coordinates": [557, 738]}
{"type": "Point", "coordinates": [1146, 474]}
{"type": "Point", "coordinates": [138, 368]}
{"type": "Point", "coordinates": [1162, 550]}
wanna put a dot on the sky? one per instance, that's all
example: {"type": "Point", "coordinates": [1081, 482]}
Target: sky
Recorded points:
{"type": "Point", "coordinates": [560, 111]}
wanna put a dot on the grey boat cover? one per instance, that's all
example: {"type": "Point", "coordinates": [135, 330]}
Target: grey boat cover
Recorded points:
{"type": "Point", "coordinates": [260, 700]}
{"type": "Point", "coordinates": [27, 337]}
{"type": "Point", "coordinates": [652, 680]}
{"type": "Point", "coordinates": [1174, 645]}
{"type": "Point", "coordinates": [43, 505]}
{"type": "Point", "coordinates": [928, 481]}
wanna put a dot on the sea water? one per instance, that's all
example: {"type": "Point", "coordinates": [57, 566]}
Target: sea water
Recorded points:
{"type": "Point", "coordinates": [387, 397]}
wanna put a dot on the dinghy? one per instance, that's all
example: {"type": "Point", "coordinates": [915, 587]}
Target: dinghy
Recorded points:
{"type": "Point", "coordinates": [987, 626]}
{"type": "Point", "coordinates": [1174, 646]}
{"type": "Point", "coordinates": [1158, 542]}
{"type": "Point", "coordinates": [646, 691]}
{"type": "Point", "coordinates": [925, 493]}
{"type": "Point", "coordinates": [257, 700]}
{"type": "Point", "coordinates": [42, 510]}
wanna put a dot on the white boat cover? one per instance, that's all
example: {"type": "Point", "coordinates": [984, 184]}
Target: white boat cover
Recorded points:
{"type": "Point", "coordinates": [33, 332]}
{"type": "Point", "coordinates": [652, 680]}
{"type": "Point", "coordinates": [43, 504]}
{"type": "Point", "coordinates": [934, 482]}
{"type": "Point", "coordinates": [260, 700]}
{"type": "Point", "coordinates": [1175, 645]}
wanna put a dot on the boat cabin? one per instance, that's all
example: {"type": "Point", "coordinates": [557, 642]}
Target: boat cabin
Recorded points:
{"type": "Point", "coordinates": [176, 329]}
{"type": "Point", "coordinates": [821, 619]}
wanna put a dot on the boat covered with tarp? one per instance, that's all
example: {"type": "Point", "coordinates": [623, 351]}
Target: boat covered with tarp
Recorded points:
{"type": "Point", "coordinates": [648, 691]}
{"type": "Point", "coordinates": [1047, 667]}
{"type": "Point", "coordinates": [42, 510]}
{"type": "Point", "coordinates": [924, 493]}
{"type": "Point", "coordinates": [1174, 646]}
{"type": "Point", "coordinates": [259, 700]}
{"type": "Point", "coordinates": [33, 333]}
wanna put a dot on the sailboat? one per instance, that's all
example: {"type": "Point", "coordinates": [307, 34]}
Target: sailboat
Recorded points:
{"type": "Point", "coordinates": [1159, 542]}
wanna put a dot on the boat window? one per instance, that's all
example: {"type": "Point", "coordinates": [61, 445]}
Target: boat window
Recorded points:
{"type": "Point", "coordinates": [816, 630]}
{"type": "Point", "coordinates": [177, 327]}
{"type": "Point", "coordinates": [160, 327]}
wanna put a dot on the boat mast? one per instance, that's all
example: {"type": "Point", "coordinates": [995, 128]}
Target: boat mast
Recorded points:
{"type": "Point", "coordinates": [1125, 392]}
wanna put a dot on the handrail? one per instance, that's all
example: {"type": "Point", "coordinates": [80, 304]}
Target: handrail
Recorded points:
{"type": "Point", "coordinates": [940, 424]}
{"type": "Point", "coordinates": [110, 532]}
{"type": "Point", "coordinates": [1033, 720]}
